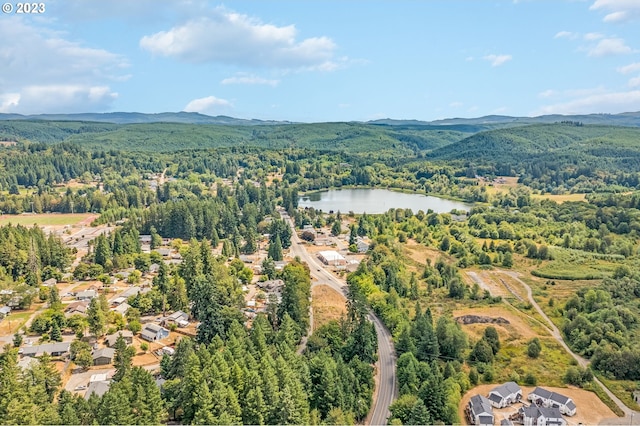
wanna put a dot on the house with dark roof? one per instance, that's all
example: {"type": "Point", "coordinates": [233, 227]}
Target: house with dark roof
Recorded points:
{"type": "Point", "coordinates": [545, 398]}
{"type": "Point", "coordinates": [103, 356]}
{"type": "Point", "coordinates": [505, 395]}
{"type": "Point", "coordinates": [153, 332]}
{"type": "Point", "coordinates": [479, 411]}
{"type": "Point", "coordinates": [541, 416]}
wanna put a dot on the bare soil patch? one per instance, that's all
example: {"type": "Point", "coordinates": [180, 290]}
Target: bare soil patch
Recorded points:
{"type": "Point", "coordinates": [591, 410]}
{"type": "Point", "coordinates": [327, 305]}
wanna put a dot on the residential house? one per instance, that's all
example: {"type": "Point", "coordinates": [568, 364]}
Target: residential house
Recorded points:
{"type": "Point", "coordinates": [103, 356]}
{"type": "Point", "coordinates": [98, 388]}
{"type": "Point", "coordinates": [86, 295]}
{"type": "Point", "coordinates": [541, 416]}
{"type": "Point", "coordinates": [545, 398]}
{"type": "Point", "coordinates": [505, 395]}
{"type": "Point", "coordinates": [4, 311]}
{"type": "Point", "coordinates": [164, 252]}
{"type": "Point", "coordinates": [53, 349]}
{"type": "Point", "coordinates": [122, 308]}
{"type": "Point", "coordinates": [50, 282]}
{"type": "Point", "coordinates": [152, 332]}
{"type": "Point", "coordinates": [145, 239]}
{"type": "Point", "coordinates": [118, 300]}
{"type": "Point", "coordinates": [181, 319]}
{"type": "Point", "coordinates": [28, 362]}
{"type": "Point", "coordinates": [76, 308]}
{"type": "Point", "coordinates": [362, 246]}
{"type": "Point", "coordinates": [127, 335]}
{"type": "Point", "coordinates": [479, 411]}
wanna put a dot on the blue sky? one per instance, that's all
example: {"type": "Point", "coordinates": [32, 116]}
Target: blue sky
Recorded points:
{"type": "Point", "coordinates": [323, 60]}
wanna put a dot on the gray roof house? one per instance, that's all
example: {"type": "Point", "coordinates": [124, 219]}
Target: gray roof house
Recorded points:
{"type": "Point", "coordinates": [4, 311]}
{"type": "Point", "coordinates": [103, 356]}
{"type": "Point", "coordinates": [111, 339]}
{"type": "Point", "coordinates": [153, 332]}
{"type": "Point", "coordinates": [53, 349]}
{"type": "Point", "coordinates": [480, 411]}
{"type": "Point", "coordinates": [545, 398]}
{"type": "Point", "coordinates": [86, 295]}
{"type": "Point", "coordinates": [99, 388]}
{"type": "Point", "coordinates": [505, 395]}
{"type": "Point", "coordinates": [541, 416]}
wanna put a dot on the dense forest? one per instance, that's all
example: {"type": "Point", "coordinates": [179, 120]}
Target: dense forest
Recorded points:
{"type": "Point", "coordinates": [219, 189]}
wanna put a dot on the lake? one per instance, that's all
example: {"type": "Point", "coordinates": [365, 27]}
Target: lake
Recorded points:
{"type": "Point", "coordinates": [376, 201]}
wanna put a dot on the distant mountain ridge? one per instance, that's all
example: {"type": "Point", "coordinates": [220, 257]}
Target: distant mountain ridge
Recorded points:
{"type": "Point", "coordinates": [143, 118]}
{"type": "Point", "coordinates": [629, 119]}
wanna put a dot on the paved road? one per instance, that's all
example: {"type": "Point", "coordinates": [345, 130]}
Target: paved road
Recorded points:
{"type": "Point", "coordinates": [632, 415]}
{"type": "Point", "coordinates": [387, 390]}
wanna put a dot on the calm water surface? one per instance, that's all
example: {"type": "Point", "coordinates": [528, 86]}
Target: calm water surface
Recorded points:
{"type": "Point", "coordinates": [377, 201]}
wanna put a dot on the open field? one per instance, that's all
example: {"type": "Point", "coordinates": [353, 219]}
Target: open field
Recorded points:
{"type": "Point", "coordinates": [512, 361]}
{"type": "Point", "coordinates": [591, 411]}
{"type": "Point", "coordinates": [327, 305]}
{"type": "Point", "coordinates": [46, 219]}
{"type": "Point", "coordinates": [559, 198]}
{"type": "Point", "coordinates": [421, 253]}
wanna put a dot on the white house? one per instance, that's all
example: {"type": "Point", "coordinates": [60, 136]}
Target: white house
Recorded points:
{"type": "Point", "coordinates": [153, 332]}
{"type": "Point", "coordinates": [480, 411]}
{"type": "Point", "coordinates": [546, 398]}
{"type": "Point", "coordinates": [541, 416]}
{"type": "Point", "coordinates": [505, 395]}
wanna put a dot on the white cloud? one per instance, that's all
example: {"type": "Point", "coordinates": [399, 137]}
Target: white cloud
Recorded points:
{"type": "Point", "coordinates": [244, 78]}
{"type": "Point", "coordinates": [619, 10]}
{"type": "Point", "coordinates": [456, 104]}
{"type": "Point", "coordinates": [606, 102]}
{"type": "Point", "coordinates": [497, 60]}
{"type": "Point", "coordinates": [593, 36]}
{"type": "Point", "coordinates": [232, 38]}
{"type": "Point", "coordinates": [48, 73]}
{"type": "Point", "coordinates": [634, 82]}
{"type": "Point", "coordinates": [207, 105]}
{"type": "Point", "coordinates": [547, 94]}
{"type": "Point", "coordinates": [566, 34]}
{"type": "Point", "coordinates": [628, 69]}
{"type": "Point", "coordinates": [608, 47]}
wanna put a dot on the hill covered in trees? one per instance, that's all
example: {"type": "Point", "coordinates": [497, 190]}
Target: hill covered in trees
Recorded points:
{"type": "Point", "coordinates": [584, 146]}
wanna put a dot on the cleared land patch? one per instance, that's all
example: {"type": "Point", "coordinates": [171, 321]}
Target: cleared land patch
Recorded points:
{"type": "Point", "coordinates": [327, 305]}
{"type": "Point", "coordinates": [45, 219]}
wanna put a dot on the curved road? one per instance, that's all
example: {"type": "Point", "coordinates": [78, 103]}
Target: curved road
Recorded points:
{"type": "Point", "coordinates": [386, 391]}
{"type": "Point", "coordinates": [555, 333]}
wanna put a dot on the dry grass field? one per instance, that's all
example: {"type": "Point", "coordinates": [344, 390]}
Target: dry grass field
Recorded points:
{"type": "Point", "coordinates": [47, 219]}
{"type": "Point", "coordinates": [327, 305]}
{"type": "Point", "coordinates": [591, 411]}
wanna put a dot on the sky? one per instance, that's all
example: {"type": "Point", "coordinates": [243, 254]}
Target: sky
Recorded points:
{"type": "Point", "coordinates": [318, 61]}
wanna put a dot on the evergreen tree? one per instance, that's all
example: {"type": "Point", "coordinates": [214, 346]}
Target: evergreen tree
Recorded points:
{"type": "Point", "coordinates": [275, 250]}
